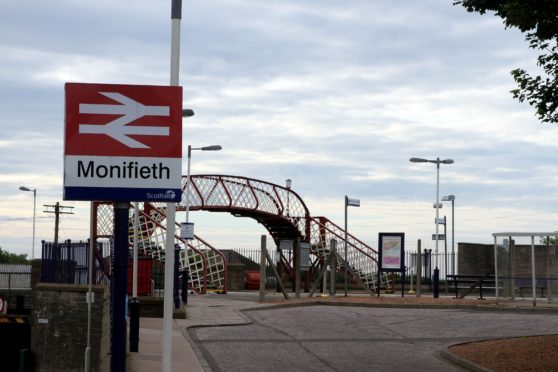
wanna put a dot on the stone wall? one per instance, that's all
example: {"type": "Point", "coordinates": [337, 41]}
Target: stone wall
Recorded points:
{"type": "Point", "coordinates": [236, 278]}
{"type": "Point", "coordinates": [59, 327]}
{"type": "Point", "coordinates": [475, 259]}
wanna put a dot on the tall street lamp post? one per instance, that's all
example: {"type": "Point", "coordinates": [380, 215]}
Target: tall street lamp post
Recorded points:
{"type": "Point", "coordinates": [437, 206]}
{"type": "Point", "coordinates": [23, 188]}
{"type": "Point", "coordinates": [190, 149]}
{"type": "Point", "coordinates": [452, 199]}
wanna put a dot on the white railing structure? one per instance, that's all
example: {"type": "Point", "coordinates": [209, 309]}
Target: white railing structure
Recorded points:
{"type": "Point", "coordinates": [206, 265]}
{"type": "Point", "coordinates": [533, 279]}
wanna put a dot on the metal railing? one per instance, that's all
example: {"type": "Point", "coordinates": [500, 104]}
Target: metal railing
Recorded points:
{"type": "Point", "coordinates": [15, 277]}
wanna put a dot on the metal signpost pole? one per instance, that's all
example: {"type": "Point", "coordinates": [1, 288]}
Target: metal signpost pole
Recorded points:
{"type": "Point", "coordinates": [188, 184]}
{"type": "Point", "coordinates": [34, 218]}
{"type": "Point", "coordinates": [452, 237]}
{"type": "Point", "coordinates": [452, 199]}
{"type": "Point", "coordinates": [176, 15]}
{"type": "Point", "coordinates": [119, 286]}
{"type": "Point", "coordinates": [134, 304]}
{"type": "Point", "coordinates": [345, 275]}
{"type": "Point", "coordinates": [419, 268]}
{"type": "Point", "coordinates": [436, 269]}
{"type": "Point", "coordinates": [446, 253]}
{"type": "Point", "coordinates": [351, 203]}
{"type": "Point", "coordinates": [90, 288]}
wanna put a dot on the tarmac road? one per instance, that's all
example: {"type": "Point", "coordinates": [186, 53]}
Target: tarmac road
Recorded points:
{"type": "Point", "coordinates": [341, 338]}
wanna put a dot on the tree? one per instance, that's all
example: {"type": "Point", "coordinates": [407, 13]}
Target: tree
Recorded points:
{"type": "Point", "coordinates": [12, 258]}
{"type": "Point", "coordinates": [538, 20]}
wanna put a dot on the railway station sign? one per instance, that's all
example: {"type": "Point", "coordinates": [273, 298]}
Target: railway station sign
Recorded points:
{"type": "Point", "coordinates": [123, 142]}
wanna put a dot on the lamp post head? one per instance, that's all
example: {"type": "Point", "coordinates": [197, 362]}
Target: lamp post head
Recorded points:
{"type": "Point", "coordinates": [23, 188]}
{"type": "Point", "coordinates": [186, 113]}
{"type": "Point", "coordinates": [288, 183]}
{"type": "Point", "coordinates": [204, 148]}
{"type": "Point", "coordinates": [448, 198]}
{"type": "Point", "coordinates": [211, 148]}
{"type": "Point", "coordinates": [437, 161]}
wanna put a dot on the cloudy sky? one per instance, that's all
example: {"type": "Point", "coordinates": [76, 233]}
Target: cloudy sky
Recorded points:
{"type": "Point", "coordinates": [335, 95]}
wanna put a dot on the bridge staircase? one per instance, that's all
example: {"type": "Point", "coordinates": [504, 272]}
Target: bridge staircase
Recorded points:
{"type": "Point", "coordinates": [363, 259]}
{"type": "Point", "coordinates": [206, 265]}
{"type": "Point", "coordinates": [279, 209]}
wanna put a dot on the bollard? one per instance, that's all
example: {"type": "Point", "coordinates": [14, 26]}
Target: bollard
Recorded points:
{"type": "Point", "coordinates": [436, 283]}
{"type": "Point", "coordinates": [25, 360]}
{"type": "Point", "coordinates": [185, 277]}
{"type": "Point", "coordinates": [134, 325]}
{"type": "Point", "coordinates": [175, 296]}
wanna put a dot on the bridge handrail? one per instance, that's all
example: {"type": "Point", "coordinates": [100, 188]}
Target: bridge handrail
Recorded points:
{"type": "Point", "coordinates": [229, 179]}
{"type": "Point", "coordinates": [204, 261]}
{"type": "Point", "coordinates": [342, 238]}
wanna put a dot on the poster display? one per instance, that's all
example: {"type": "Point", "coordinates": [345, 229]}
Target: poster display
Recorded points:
{"type": "Point", "coordinates": [392, 252]}
{"type": "Point", "coordinates": [391, 256]}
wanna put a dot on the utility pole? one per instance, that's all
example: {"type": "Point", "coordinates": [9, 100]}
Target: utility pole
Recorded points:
{"type": "Point", "coordinates": [57, 209]}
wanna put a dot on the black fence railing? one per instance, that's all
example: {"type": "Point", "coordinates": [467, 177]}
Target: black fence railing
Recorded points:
{"type": "Point", "coordinates": [66, 263]}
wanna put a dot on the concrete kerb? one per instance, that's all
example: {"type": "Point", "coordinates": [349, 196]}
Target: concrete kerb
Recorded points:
{"type": "Point", "coordinates": [481, 307]}
{"type": "Point", "coordinates": [455, 359]}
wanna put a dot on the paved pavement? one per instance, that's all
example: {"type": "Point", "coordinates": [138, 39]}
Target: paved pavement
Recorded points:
{"type": "Point", "coordinates": [202, 310]}
{"type": "Point", "coordinates": [234, 332]}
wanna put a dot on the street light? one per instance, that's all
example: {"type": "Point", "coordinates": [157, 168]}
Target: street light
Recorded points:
{"type": "Point", "coordinates": [452, 199]}
{"type": "Point", "coordinates": [437, 206]}
{"type": "Point", "coordinates": [23, 188]}
{"type": "Point", "coordinates": [186, 113]}
{"type": "Point", "coordinates": [190, 149]}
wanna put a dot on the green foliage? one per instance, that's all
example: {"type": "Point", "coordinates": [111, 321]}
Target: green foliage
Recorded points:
{"type": "Point", "coordinates": [538, 19]}
{"type": "Point", "coordinates": [12, 258]}
{"type": "Point", "coordinates": [553, 241]}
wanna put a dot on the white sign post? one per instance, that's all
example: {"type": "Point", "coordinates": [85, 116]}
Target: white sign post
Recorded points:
{"type": "Point", "coordinates": [348, 203]}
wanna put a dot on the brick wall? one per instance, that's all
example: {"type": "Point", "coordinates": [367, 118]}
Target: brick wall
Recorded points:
{"type": "Point", "coordinates": [59, 327]}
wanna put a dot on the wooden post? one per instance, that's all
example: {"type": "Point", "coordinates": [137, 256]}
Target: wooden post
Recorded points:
{"type": "Point", "coordinates": [277, 277]}
{"type": "Point", "coordinates": [333, 266]}
{"type": "Point", "coordinates": [548, 283]}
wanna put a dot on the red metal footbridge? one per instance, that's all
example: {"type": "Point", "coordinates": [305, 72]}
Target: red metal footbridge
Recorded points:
{"type": "Point", "coordinates": [279, 209]}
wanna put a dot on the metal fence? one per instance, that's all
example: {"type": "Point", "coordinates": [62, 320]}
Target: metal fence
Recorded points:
{"type": "Point", "coordinates": [15, 276]}
{"type": "Point", "coordinates": [250, 258]}
{"type": "Point", "coordinates": [68, 263]}
{"type": "Point", "coordinates": [447, 263]}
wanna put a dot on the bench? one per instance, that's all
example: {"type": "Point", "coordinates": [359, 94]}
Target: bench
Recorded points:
{"type": "Point", "coordinates": [526, 283]}
{"type": "Point", "coordinates": [468, 282]}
